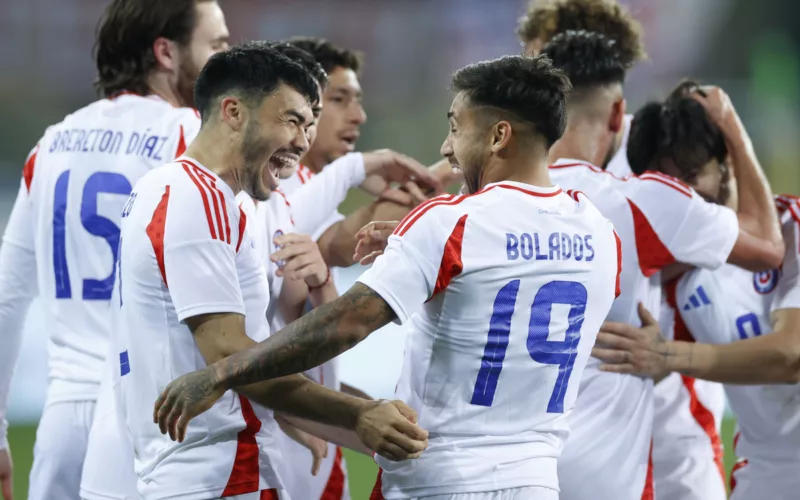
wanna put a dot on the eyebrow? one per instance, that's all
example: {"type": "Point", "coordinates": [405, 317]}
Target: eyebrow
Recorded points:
{"type": "Point", "coordinates": [298, 115]}
{"type": "Point", "coordinates": [345, 90]}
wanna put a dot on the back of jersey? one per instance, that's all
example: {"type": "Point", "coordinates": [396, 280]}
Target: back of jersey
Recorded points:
{"type": "Point", "coordinates": [76, 182]}
{"type": "Point", "coordinates": [518, 280]}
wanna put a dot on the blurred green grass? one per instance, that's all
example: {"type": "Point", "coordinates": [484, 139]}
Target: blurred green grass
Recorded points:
{"type": "Point", "coordinates": [361, 469]}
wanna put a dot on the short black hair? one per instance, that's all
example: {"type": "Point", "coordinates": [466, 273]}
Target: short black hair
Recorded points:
{"type": "Point", "coordinates": [307, 60]}
{"type": "Point", "coordinates": [588, 58]}
{"type": "Point", "coordinates": [252, 71]}
{"type": "Point", "coordinates": [329, 55]}
{"type": "Point", "coordinates": [677, 130]}
{"type": "Point", "coordinates": [528, 88]}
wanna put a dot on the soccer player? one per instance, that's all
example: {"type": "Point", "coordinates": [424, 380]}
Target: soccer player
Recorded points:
{"type": "Point", "coordinates": [679, 138]}
{"type": "Point", "coordinates": [493, 387]}
{"type": "Point", "coordinates": [192, 290]}
{"type": "Point", "coordinates": [546, 18]}
{"type": "Point", "coordinates": [660, 221]}
{"type": "Point", "coordinates": [61, 240]}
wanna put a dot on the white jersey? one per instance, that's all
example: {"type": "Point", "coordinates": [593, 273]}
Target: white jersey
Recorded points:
{"type": "Point", "coordinates": [618, 165]}
{"type": "Point", "coordinates": [186, 251]}
{"type": "Point", "coordinates": [687, 448]}
{"type": "Point", "coordinates": [660, 221]}
{"type": "Point", "coordinates": [733, 304]}
{"type": "Point", "coordinates": [75, 182]}
{"type": "Point", "coordinates": [515, 281]}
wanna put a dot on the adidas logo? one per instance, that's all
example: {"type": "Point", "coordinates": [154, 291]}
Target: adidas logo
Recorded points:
{"type": "Point", "coordinates": [697, 299]}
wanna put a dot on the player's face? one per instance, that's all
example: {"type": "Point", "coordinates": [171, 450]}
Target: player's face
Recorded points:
{"type": "Point", "coordinates": [275, 138]}
{"type": "Point", "coordinates": [341, 117]}
{"type": "Point", "coordinates": [210, 36]}
{"type": "Point", "coordinates": [463, 146]}
{"type": "Point", "coordinates": [712, 182]}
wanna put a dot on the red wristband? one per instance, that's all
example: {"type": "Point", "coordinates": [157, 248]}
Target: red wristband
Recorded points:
{"type": "Point", "coordinates": [327, 279]}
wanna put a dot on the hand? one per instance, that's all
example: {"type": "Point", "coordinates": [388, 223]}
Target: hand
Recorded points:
{"type": "Point", "coordinates": [185, 398]}
{"type": "Point", "coordinates": [318, 447]}
{"type": "Point", "coordinates": [372, 240]}
{"type": "Point", "coordinates": [6, 475]}
{"type": "Point", "coordinates": [389, 428]}
{"type": "Point", "coordinates": [718, 105]}
{"type": "Point", "coordinates": [409, 195]}
{"type": "Point", "coordinates": [301, 259]}
{"type": "Point", "coordinates": [395, 167]}
{"type": "Point", "coordinates": [628, 349]}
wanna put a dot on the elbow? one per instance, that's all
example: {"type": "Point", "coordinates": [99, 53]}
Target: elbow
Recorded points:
{"type": "Point", "coordinates": [773, 255]}
{"type": "Point", "coordinates": [790, 364]}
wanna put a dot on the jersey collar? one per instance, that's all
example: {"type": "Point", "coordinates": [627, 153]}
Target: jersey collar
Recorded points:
{"type": "Point", "coordinates": [528, 188]}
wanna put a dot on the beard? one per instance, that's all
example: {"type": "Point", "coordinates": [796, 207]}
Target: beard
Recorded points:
{"type": "Point", "coordinates": [255, 153]}
{"type": "Point", "coordinates": [187, 76]}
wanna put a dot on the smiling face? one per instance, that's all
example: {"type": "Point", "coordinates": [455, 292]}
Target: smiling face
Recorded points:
{"type": "Point", "coordinates": [465, 145]}
{"type": "Point", "coordinates": [340, 120]}
{"type": "Point", "coordinates": [275, 138]}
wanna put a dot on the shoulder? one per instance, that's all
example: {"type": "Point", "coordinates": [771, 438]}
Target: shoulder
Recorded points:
{"type": "Point", "coordinates": [657, 183]}
{"type": "Point", "coordinates": [440, 212]}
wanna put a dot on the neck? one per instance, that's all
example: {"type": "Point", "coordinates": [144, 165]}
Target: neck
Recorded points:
{"type": "Point", "coordinates": [159, 85]}
{"type": "Point", "coordinates": [583, 141]}
{"type": "Point", "coordinates": [529, 168]}
{"type": "Point", "coordinates": [315, 162]}
{"type": "Point", "coordinates": [218, 153]}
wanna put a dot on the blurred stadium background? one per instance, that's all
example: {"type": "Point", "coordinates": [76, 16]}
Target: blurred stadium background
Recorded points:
{"type": "Point", "coordinates": [752, 49]}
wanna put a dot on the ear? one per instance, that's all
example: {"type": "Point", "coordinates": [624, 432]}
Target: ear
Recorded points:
{"type": "Point", "coordinates": [166, 53]}
{"type": "Point", "coordinates": [501, 136]}
{"type": "Point", "coordinates": [617, 118]}
{"type": "Point", "coordinates": [233, 112]}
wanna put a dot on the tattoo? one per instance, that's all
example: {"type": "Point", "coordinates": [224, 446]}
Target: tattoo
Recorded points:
{"type": "Point", "coordinates": [315, 338]}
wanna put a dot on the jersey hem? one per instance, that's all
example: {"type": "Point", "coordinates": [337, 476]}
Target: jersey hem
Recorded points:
{"type": "Point", "coordinates": [483, 487]}
{"type": "Point", "coordinates": [216, 308]}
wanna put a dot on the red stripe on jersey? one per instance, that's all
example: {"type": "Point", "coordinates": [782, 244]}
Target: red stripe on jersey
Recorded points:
{"type": "Point", "coordinates": [196, 113]}
{"type": "Point", "coordinates": [411, 217]}
{"type": "Point", "coordinates": [155, 231]}
{"type": "Point", "coordinates": [289, 205]}
{"type": "Point", "coordinates": [517, 188]}
{"type": "Point", "coordinates": [203, 195]}
{"type": "Point", "coordinates": [653, 254]}
{"type": "Point", "coordinates": [334, 488]}
{"type": "Point", "coordinates": [649, 492]}
{"type": "Point", "coordinates": [617, 288]}
{"type": "Point", "coordinates": [739, 464]}
{"type": "Point", "coordinates": [219, 202]}
{"type": "Point", "coordinates": [27, 169]}
{"type": "Point", "coordinates": [705, 419]}
{"type": "Point", "coordinates": [181, 144]}
{"type": "Point", "coordinates": [242, 225]}
{"type": "Point", "coordinates": [245, 474]}
{"type": "Point", "coordinates": [377, 493]}
{"type": "Point", "coordinates": [269, 495]}
{"type": "Point", "coordinates": [667, 181]}
{"type": "Point", "coordinates": [451, 265]}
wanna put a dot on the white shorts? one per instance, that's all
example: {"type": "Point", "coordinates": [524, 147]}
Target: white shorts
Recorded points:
{"type": "Point", "coordinates": [108, 469]}
{"type": "Point", "coordinates": [687, 449]}
{"type": "Point", "coordinates": [527, 493]}
{"type": "Point", "coordinates": [259, 495]}
{"type": "Point", "coordinates": [759, 480]}
{"type": "Point", "coordinates": [61, 440]}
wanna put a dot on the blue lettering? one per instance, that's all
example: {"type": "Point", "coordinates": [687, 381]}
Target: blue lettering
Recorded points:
{"type": "Point", "coordinates": [149, 144]}
{"type": "Point", "coordinates": [105, 141]}
{"type": "Point", "coordinates": [54, 144]}
{"type": "Point", "coordinates": [539, 256]}
{"type": "Point", "coordinates": [75, 139]}
{"type": "Point", "coordinates": [586, 240]}
{"type": "Point", "coordinates": [133, 142]}
{"type": "Point", "coordinates": [566, 246]}
{"type": "Point", "coordinates": [116, 142]}
{"type": "Point", "coordinates": [577, 247]}
{"type": "Point", "coordinates": [96, 138]}
{"type": "Point", "coordinates": [512, 244]}
{"type": "Point", "coordinates": [555, 247]}
{"type": "Point", "coordinates": [142, 143]}
{"type": "Point", "coordinates": [86, 141]}
{"type": "Point", "coordinates": [161, 141]}
{"type": "Point", "coordinates": [526, 246]}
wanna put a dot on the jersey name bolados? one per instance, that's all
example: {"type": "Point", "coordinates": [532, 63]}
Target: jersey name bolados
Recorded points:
{"type": "Point", "coordinates": [186, 251]}
{"type": "Point", "coordinates": [731, 304]}
{"type": "Point", "coordinates": [75, 182]}
{"type": "Point", "coordinates": [503, 293]}
{"type": "Point", "coordinates": [660, 221]}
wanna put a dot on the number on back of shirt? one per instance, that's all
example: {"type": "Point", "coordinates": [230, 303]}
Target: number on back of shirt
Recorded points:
{"type": "Point", "coordinates": [561, 353]}
{"type": "Point", "coordinates": [93, 223]}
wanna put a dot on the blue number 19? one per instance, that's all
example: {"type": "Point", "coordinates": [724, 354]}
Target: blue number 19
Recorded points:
{"type": "Point", "coordinates": [93, 223]}
{"type": "Point", "coordinates": [541, 350]}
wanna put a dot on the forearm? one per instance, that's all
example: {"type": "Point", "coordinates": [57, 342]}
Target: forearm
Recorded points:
{"type": "Point", "coordinates": [332, 434]}
{"type": "Point", "coordinates": [297, 395]}
{"type": "Point", "coordinates": [323, 295]}
{"type": "Point", "coordinates": [389, 211]}
{"type": "Point", "coordinates": [353, 391]}
{"type": "Point", "coordinates": [760, 360]}
{"type": "Point", "coordinates": [338, 243]}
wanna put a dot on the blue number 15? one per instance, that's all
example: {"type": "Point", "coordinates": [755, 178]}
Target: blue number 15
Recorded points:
{"type": "Point", "coordinates": [93, 223]}
{"type": "Point", "coordinates": [552, 352]}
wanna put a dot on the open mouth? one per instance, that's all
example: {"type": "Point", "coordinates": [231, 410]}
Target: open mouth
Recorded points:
{"type": "Point", "coordinates": [454, 165]}
{"type": "Point", "coordinates": [279, 164]}
{"type": "Point", "coordinates": [349, 140]}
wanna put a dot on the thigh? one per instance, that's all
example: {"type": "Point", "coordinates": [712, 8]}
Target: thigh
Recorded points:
{"type": "Point", "coordinates": [58, 453]}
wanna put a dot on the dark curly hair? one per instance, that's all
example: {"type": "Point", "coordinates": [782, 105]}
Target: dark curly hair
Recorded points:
{"type": "Point", "coordinates": [546, 18]}
{"type": "Point", "coordinates": [528, 88]}
{"type": "Point", "coordinates": [588, 58]}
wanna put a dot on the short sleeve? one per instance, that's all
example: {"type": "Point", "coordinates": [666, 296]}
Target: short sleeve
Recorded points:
{"type": "Point", "coordinates": [420, 259]}
{"type": "Point", "coordinates": [787, 293]}
{"type": "Point", "coordinates": [19, 230]}
{"type": "Point", "coordinates": [184, 130]}
{"type": "Point", "coordinates": [692, 230]}
{"type": "Point", "coordinates": [700, 311]}
{"type": "Point", "coordinates": [199, 254]}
